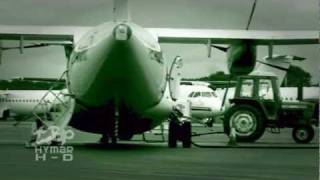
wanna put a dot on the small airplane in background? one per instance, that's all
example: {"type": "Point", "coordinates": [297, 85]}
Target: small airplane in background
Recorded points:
{"type": "Point", "coordinates": [204, 102]}
{"type": "Point", "coordinates": [20, 103]}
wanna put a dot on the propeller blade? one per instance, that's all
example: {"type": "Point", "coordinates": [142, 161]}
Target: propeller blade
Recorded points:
{"type": "Point", "coordinates": [297, 58]}
{"type": "Point", "coordinates": [251, 14]}
{"type": "Point", "coordinates": [224, 49]}
{"type": "Point", "coordinates": [274, 66]}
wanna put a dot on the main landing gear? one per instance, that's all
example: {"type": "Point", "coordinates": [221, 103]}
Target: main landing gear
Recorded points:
{"type": "Point", "coordinates": [112, 122]}
{"type": "Point", "coordinates": [179, 131]}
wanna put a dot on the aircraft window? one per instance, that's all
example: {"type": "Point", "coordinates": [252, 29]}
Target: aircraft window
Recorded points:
{"type": "Point", "coordinates": [247, 88]}
{"type": "Point", "coordinates": [214, 94]}
{"type": "Point", "coordinates": [206, 94]}
{"type": "Point", "coordinates": [197, 94]}
{"type": "Point", "coordinates": [155, 55]}
{"type": "Point", "coordinates": [191, 94]}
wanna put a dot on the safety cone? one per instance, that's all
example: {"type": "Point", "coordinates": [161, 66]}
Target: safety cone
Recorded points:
{"type": "Point", "coordinates": [232, 137]}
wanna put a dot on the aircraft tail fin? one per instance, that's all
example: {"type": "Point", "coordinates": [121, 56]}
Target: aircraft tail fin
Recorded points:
{"type": "Point", "coordinates": [277, 65]}
{"type": "Point", "coordinates": [121, 10]}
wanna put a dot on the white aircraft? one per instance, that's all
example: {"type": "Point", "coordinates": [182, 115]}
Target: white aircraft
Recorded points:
{"type": "Point", "coordinates": [118, 80]}
{"type": "Point", "coordinates": [204, 103]}
{"type": "Point", "coordinates": [23, 102]}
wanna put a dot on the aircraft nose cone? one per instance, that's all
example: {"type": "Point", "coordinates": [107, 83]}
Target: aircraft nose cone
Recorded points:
{"type": "Point", "coordinates": [122, 32]}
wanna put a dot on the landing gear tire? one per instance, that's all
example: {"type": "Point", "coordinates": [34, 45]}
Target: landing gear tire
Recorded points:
{"type": "Point", "coordinates": [247, 121]}
{"type": "Point", "coordinates": [186, 134]}
{"type": "Point", "coordinates": [114, 140]}
{"type": "Point", "coordinates": [173, 134]}
{"type": "Point", "coordinates": [303, 134]}
{"type": "Point", "coordinates": [104, 140]}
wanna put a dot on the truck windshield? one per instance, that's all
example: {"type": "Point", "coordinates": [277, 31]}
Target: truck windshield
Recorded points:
{"type": "Point", "coordinates": [265, 89]}
{"type": "Point", "coordinates": [247, 88]}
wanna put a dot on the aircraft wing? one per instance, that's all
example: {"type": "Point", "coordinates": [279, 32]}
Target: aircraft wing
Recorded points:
{"type": "Point", "coordinates": [70, 34]}
{"type": "Point", "coordinates": [205, 36]}
{"type": "Point", "coordinates": [61, 34]}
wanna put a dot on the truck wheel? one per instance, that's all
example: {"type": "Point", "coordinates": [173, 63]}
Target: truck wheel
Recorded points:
{"type": "Point", "coordinates": [247, 120]}
{"type": "Point", "coordinates": [173, 134]}
{"type": "Point", "coordinates": [303, 134]}
{"type": "Point", "coordinates": [186, 134]}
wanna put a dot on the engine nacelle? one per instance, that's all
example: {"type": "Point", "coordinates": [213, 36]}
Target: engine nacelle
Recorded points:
{"type": "Point", "coordinates": [241, 58]}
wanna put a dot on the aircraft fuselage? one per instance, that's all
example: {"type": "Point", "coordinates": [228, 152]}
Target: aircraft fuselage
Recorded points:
{"type": "Point", "coordinates": [119, 65]}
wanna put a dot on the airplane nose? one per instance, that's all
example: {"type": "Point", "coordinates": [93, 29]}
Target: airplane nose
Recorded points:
{"type": "Point", "coordinates": [122, 32]}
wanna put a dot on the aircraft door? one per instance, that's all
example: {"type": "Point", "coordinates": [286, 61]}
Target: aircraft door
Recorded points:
{"type": "Point", "coordinates": [174, 77]}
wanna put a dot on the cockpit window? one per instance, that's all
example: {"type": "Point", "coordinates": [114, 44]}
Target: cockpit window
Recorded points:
{"type": "Point", "coordinates": [206, 94]}
{"type": "Point", "coordinates": [214, 94]}
{"type": "Point", "coordinates": [197, 94]}
{"type": "Point", "coordinates": [191, 94]}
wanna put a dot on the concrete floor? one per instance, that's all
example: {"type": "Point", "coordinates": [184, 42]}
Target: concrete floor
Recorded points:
{"type": "Point", "coordinates": [274, 156]}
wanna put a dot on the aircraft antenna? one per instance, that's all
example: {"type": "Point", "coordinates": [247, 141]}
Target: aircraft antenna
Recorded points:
{"type": "Point", "coordinates": [1, 52]}
{"type": "Point", "coordinates": [251, 14]}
